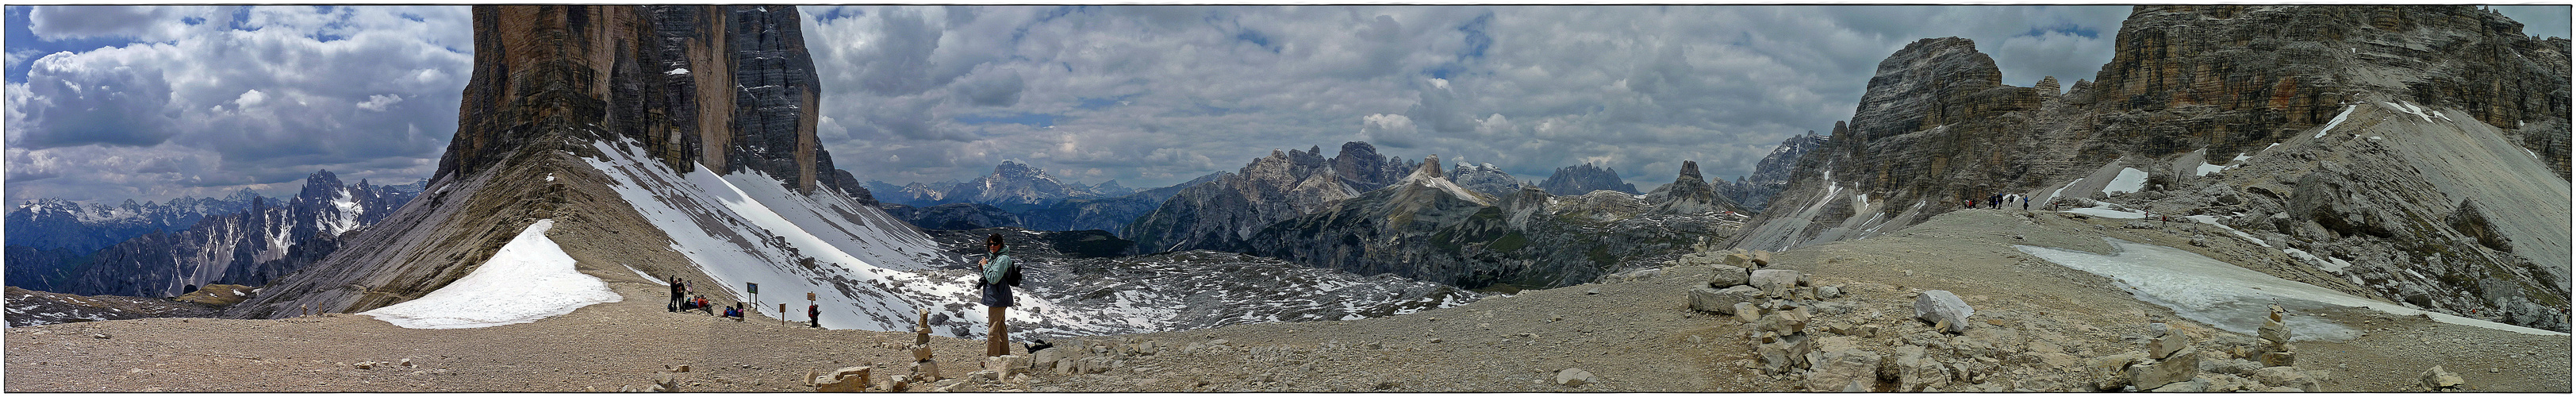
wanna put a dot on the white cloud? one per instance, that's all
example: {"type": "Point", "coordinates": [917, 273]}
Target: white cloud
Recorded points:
{"type": "Point", "coordinates": [296, 90]}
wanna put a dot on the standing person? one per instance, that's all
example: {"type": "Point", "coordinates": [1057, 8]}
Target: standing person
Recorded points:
{"type": "Point", "coordinates": [677, 293]}
{"type": "Point", "coordinates": [813, 315]}
{"type": "Point", "coordinates": [1000, 274]}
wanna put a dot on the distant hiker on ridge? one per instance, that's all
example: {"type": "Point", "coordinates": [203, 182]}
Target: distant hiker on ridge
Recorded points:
{"type": "Point", "coordinates": [1000, 274]}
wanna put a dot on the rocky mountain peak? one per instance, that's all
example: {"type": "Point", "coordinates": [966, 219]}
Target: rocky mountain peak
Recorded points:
{"type": "Point", "coordinates": [724, 86]}
{"type": "Point", "coordinates": [1430, 168]}
{"type": "Point", "coordinates": [1584, 178]}
{"type": "Point", "coordinates": [1934, 82]}
{"type": "Point", "coordinates": [1360, 166]}
{"type": "Point", "coordinates": [1690, 173]}
{"type": "Point", "coordinates": [321, 186]}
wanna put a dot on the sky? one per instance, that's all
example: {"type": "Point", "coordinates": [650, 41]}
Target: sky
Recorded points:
{"type": "Point", "coordinates": [108, 103]}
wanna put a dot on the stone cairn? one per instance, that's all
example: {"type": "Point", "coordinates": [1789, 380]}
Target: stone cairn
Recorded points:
{"type": "Point", "coordinates": [1777, 304]}
{"type": "Point", "coordinates": [2275, 347]}
{"type": "Point", "coordinates": [923, 369]}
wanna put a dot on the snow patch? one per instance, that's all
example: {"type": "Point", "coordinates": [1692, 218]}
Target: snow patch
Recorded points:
{"type": "Point", "coordinates": [2130, 180]}
{"type": "Point", "coordinates": [529, 279]}
{"type": "Point", "coordinates": [2334, 265]}
{"type": "Point", "coordinates": [2226, 296]}
{"type": "Point", "coordinates": [2212, 220]}
{"type": "Point", "coordinates": [647, 277]}
{"type": "Point", "coordinates": [2330, 125]}
{"type": "Point", "coordinates": [2206, 169]}
{"type": "Point", "coordinates": [675, 72]}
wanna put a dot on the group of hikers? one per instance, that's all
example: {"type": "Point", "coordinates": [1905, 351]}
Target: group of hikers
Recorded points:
{"type": "Point", "coordinates": [999, 272]}
{"type": "Point", "coordinates": [1998, 201]}
{"type": "Point", "coordinates": [682, 299]}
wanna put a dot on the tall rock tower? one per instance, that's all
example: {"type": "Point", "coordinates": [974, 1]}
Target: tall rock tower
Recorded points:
{"type": "Point", "coordinates": [730, 87]}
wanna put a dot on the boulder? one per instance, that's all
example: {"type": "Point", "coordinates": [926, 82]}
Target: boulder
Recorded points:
{"type": "Point", "coordinates": [2111, 372]}
{"type": "Point", "coordinates": [1729, 276]}
{"type": "Point", "coordinates": [2438, 379]}
{"type": "Point", "coordinates": [1916, 372]}
{"type": "Point", "coordinates": [1046, 359]}
{"type": "Point", "coordinates": [2165, 347]}
{"type": "Point", "coordinates": [2285, 377]}
{"type": "Point", "coordinates": [1761, 258]}
{"type": "Point", "coordinates": [844, 380]}
{"type": "Point", "coordinates": [1841, 365]}
{"type": "Point", "coordinates": [2279, 359]}
{"type": "Point", "coordinates": [1938, 306]}
{"type": "Point", "coordinates": [984, 376]}
{"type": "Point", "coordinates": [926, 370]}
{"type": "Point", "coordinates": [1737, 259]}
{"type": "Point", "coordinates": [1574, 377]}
{"type": "Point", "coordinates": [1829, 292]}
{"type": "Point", "coordinates": [1786, 322]}
{"type": "Point", "coordinates": [1775, 282]}
{"type": "Point", "coordinates": [1784, 353]}
{"type": "Point", "coordinates": [1007, 365]}
{"type": "Point", "coordinates": [921, 353]}
{"type": "Point", "coordinates": [2182, 366]}
{"type": "Point", "coordinates": [1722, 300]}
{"type": "Point", "coordinates": [1747, 312]}
{"type": "Point", "coordinates": [2195, 385]}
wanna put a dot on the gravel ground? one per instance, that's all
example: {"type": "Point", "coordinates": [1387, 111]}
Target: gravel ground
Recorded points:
{"type": "Point", "coordinates": [2032, 319]}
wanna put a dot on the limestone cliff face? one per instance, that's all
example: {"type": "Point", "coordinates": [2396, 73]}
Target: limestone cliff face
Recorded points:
{"type": "Point", "coordinates": [725, 86]}
{"type": "Point", "coordinates": [1936, 126]}
{"type": "Point", "coordinates": [2234, 77]}
{"type": "Point", "coordinates": [2353, 133]}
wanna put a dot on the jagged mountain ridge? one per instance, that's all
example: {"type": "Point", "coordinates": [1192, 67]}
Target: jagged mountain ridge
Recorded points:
{"type": "Point", "coordinates": [1754, 191]}
{"type": "Point", "coordinates": [2204, 87]}
{"type": "Point", "coordinates": [1426, 227]}
{"type": "Point", "coordinates": [1485, 178]}
{"type": "Point", "coordinates": [268, 239]}
{"type": "Point", "coordinates": [1581, 179]}
{"type": "Point", "coordinates": [1220, 214]}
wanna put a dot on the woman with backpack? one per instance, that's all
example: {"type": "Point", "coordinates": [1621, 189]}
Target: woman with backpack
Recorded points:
{"type": "Point", "coordinates": [999, 275]}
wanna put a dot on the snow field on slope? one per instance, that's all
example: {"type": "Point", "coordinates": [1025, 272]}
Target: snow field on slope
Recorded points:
{"type": "Point", "coordinates": [529, 279]}
{"type": "Point", "coordinates": [2338, 121]}
{"type": "Point", "coordinates": [2226, 296]}
{"type": "Point", "coordinates": [735, 238]}
{"type": "Point", "coordinates": [2130, 180]}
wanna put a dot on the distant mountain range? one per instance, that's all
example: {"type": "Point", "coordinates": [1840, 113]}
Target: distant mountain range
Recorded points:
{"type": "Point", "coordinates": [165, 249]}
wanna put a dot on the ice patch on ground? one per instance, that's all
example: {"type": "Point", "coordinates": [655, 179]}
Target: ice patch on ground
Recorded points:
{"type": "Point", "coordinates": [529, 279]}
{"type": "Point", "coordinates": [2226, 296]}
{"type": "Point", "coordinates": [2130, 180]}
{"type": "Point", "coordinates": [2206, 169]}
{"type": "Point", "coordinates": [2108, 212]}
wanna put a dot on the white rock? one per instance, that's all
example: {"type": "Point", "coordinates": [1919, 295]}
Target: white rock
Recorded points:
{"type": "Point", "coordinates": [1775, 282]}
{"type": "Point", "coordinates": [1574, 377]}
{"type": "Point", "coordinates": [1937, 306]}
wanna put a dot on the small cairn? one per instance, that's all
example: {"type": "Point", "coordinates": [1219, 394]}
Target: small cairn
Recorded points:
{"type": "Point", "coordinates": [923, 368]}
{"type": "Point", "coordinates": [2275, 349]}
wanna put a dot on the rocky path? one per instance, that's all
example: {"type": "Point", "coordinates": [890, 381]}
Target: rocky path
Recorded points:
{"type": "Point", "coordinates": [2036, 327]}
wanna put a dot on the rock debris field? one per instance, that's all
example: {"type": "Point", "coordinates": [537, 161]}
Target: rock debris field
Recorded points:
{"type": "Point", "coordinates": [1851, 325]}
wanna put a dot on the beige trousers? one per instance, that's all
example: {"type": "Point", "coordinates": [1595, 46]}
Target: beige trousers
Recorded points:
{"type": "Point", "coordinates": [998, 342]}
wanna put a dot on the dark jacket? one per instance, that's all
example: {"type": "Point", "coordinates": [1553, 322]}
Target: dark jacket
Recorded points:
{"type": "Point", "coordinates": [997, 293]}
